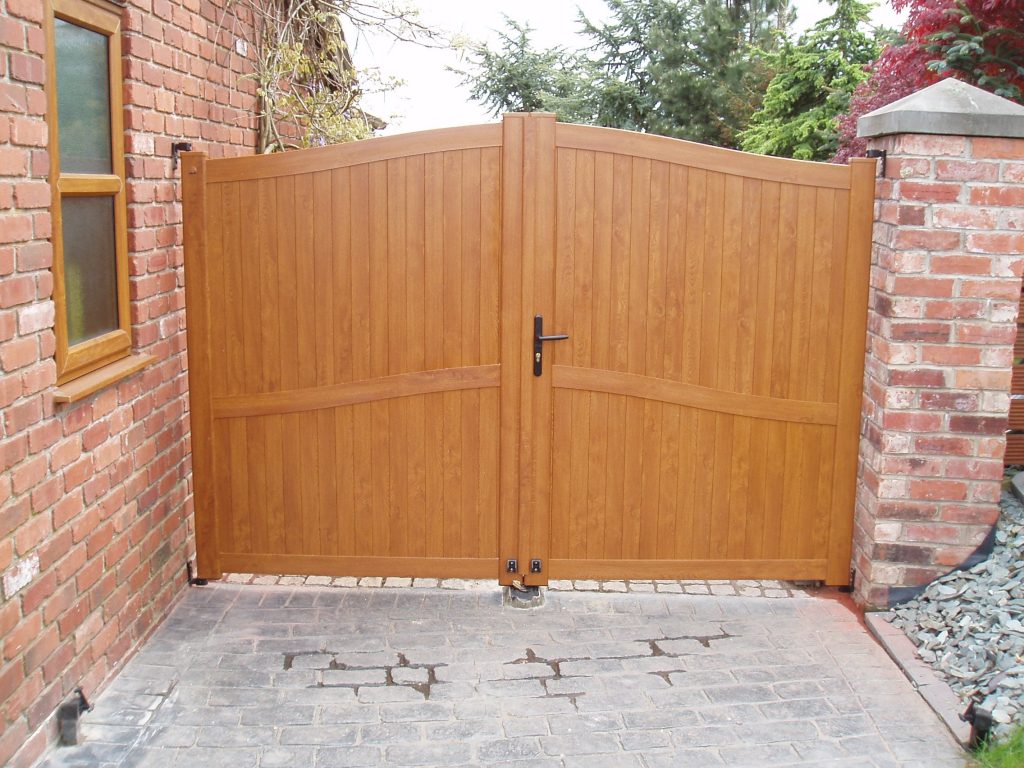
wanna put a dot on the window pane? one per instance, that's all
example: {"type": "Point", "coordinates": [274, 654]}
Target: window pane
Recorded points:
{"type": "Point", "coordinates": [90, 267]}
{"type": "Point", "coordinates": [83, 99]}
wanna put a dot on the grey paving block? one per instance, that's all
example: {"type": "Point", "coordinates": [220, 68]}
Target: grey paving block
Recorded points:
{"type": "Point", "coordinates": [429, 754]}
{"type": "Point", "coordinates": [416, 712]}
{"type": "Point", "coordinates": [464, 730]}
{"type": "Point", "coordinates": [268, 717]}
{"type": "Point", "coordinates": [346, 757]}
{"type": "Point", "coordinates": [604, 761]}
{"type": "Point", "coordinates": [504, 750]}
{"type": "Point", "coordinates": [644, 740]}
{"type": "Point", "coordinates": [580, 744]}
{"type": "Point", "coordinates": [222, 757]}
{"type": "Point", "coordinates": [170, 736]}
{"type": "Point", "coordinates": [592, 722]}
{"type": "Point", "coordinates": [320, 735]}
{"type": "Point", "coordinates": [251, 736]}
{"type": "Point", "coordinates": [153, 757]}
{"type": "Point", "coordinates": [391, 733]}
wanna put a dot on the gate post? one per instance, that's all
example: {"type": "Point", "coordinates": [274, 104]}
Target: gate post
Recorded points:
{"type": "Point", "coordinates": [947, 257]}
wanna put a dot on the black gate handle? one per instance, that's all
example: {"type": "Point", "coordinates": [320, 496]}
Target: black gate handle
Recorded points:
{"type": "Point", "coordinates": [538, 343]}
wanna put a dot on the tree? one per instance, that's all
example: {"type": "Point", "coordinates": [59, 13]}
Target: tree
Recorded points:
{"type": "Point", "coordinates": [675, 67]}
{"type": "Point", "coordinates": [815, 78]}
{"type": "Point", "coordinates": [978, 41]}
{"type": "Point", "coordinates": [306, 83]}
{"type": "Point", "coordinates": [517, 78]}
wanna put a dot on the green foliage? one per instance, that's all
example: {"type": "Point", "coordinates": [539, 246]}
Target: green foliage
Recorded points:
{"type": "Point", "coordinates": [987, 54]}
{"type": "Point", "coordinates": [816, 76]}
{"type": "Point", "coordinates": [684, 68]}
{"type": "Point", "coordinates": [517, 78]}
{"type": "Point", "coordinates": [1007, 753]}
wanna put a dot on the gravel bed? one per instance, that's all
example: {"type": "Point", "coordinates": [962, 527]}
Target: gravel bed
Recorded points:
{"type": "Point", "coordinates": [969, 625]}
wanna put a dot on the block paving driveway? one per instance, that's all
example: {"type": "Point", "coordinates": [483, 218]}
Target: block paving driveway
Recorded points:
{"type": "Point", "coordinates": [251, 675]}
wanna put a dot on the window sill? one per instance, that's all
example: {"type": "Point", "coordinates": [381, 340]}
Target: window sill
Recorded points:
{"type": "Point", "coordinates": [85, 385]}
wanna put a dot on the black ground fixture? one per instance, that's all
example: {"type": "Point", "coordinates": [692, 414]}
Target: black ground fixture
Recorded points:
{"type": "Point", "coordinates": [176, 149]}
{"type": "Point", "coordinates": [194, 580]}
{"type": "Point", "coordinates": [981, 724]}
{"type": "Point", "coordinates": [68, 715]}
{"type": "Point", "coordinates": [880, 154]}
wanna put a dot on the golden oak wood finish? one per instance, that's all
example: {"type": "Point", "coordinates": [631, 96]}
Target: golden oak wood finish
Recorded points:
{"type": "Point", "coordinates": [705, 406]}
{"type": "Point", "coordinates": [352, 398]}
{"type": "Point", "coordinates": [360, 341]}
{"type": "Point", "coordinates": [367, 391]}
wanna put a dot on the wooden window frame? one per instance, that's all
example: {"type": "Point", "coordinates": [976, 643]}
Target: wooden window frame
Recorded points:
{"type": "Point", "coordinates": [89, 356]}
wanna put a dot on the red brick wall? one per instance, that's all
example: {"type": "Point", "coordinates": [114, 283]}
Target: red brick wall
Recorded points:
{"type": "Point", "coordinates": [946, 279]}
{"type": "Point", "coordinates": [95, 498]}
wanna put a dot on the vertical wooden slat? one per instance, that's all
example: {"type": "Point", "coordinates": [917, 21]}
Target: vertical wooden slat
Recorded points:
{"type": "Point", "coordinates": [324, 317]}
{"type": "Point", "coordinates": [728, 310]}
{"type": "Point", "coordinates": [305, 342]}
{"type": "Point", "coordinates": [490, 346]}
{"type": "Point", "coordinates": [197, 223]}
{"type": "Point", "coordinates": [512, 346]}
{"type": "Point", "coordinates": [272, 455]}
{"type": "Point", "coordinates": [289, 471]}
{"type": "Point", "coordinates": [434, 339]}
{"type": "Point", "coordinates": [568, 519]}
{"type": "Point", "coordinates": [341, 241]}
{"type": "Point", "coordinates": [654, 365]}
{"type": "Point", "coordinates": [452, 319]}
{"type": "Point", "coordinates": [415, 353]}
{"type": "Point", "coordinates": [616, 171]}
{"type": "Point", "coordinates": [785, 295]}
{"type": "Point", "coordinates": [380, 424]}
{"type": "Point", "coordinates": [363, 510]}
{"type": "Point", "coordinates": [749, 257]}
{"type": "Point", "coordinates": [470, 355]}
{"type": "Point", "coordinates": [800, 343]}
{"type": "Point", "coordinates": [637, 513]}
{"type": "Point", "coordinates": [851, 368]}
{"type": "Point", "coordinates": [537, 298]}
{"type": "Point", "coordinates": [253, 198]}
{"type": "Point", "coordinates": [815, 365]}
{"type": "Point", "coordinates": [398, 361]}
{"type": "Point", "coordinates": [767, 272]}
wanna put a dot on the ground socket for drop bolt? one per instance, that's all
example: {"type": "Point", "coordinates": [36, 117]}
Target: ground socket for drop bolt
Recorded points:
{"type": "Point", "coordinates": [527, 597]}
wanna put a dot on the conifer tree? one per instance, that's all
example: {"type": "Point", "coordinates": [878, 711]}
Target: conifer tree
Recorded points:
{"type": "Point", "coordinates": [815, 78]}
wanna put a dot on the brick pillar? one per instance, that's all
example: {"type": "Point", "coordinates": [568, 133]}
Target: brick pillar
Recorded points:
{"type": "Point", "coordinates": [946, 279]}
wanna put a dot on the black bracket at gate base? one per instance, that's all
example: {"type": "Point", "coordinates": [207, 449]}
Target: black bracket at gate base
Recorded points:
{"type": "Point", "coordinates": [195, 581]}
{"type": "Point", "coordinates": [68, 715]}
{"type": "Point", "coordinates": [981, 724]}
{"type": "Point", "coordinates": [511, 565]}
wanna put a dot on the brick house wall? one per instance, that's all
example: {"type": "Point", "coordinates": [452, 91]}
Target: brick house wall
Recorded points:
{"type": "Point", "coordinates": [95, 496]}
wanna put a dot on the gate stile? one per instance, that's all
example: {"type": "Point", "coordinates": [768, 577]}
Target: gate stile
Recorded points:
{"type": "Point", "coordinates": [362, 357]}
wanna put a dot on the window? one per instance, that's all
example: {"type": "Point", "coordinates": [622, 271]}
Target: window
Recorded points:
{"type": "Point", "coordinates": [87, 176]}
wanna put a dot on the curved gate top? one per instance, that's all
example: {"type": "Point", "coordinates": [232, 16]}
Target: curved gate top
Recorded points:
{"type": "Point", "coordinates": [526, 351]}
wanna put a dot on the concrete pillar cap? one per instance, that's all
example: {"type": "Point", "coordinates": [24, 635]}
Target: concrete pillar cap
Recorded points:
{"type": "Point", "coordinates": [948, 108]}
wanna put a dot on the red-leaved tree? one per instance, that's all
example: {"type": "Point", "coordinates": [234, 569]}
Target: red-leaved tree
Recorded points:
{"type": "Point", "coordinates": [978, 41]}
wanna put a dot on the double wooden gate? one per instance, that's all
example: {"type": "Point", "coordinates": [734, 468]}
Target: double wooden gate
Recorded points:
{"type": "Point", "coordinates": [368, 396]}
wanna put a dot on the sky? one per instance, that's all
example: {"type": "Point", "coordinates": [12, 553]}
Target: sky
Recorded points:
{"type": "Point", "coordinates": [431, 96]}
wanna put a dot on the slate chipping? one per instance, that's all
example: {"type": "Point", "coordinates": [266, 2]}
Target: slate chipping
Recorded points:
{"type": "Point", "coordinates": [444, 675]}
